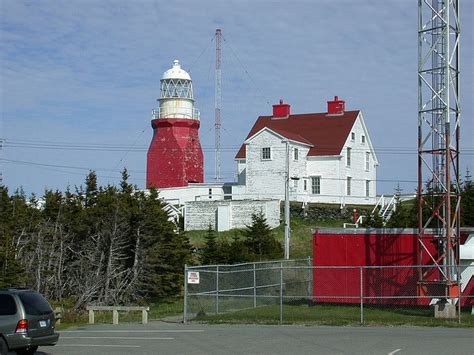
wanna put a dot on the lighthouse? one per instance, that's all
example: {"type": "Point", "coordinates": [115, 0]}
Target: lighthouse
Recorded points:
{"type": "Point", "coordinates": [175, 156]}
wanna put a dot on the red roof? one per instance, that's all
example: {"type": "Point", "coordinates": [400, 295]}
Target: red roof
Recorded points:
{"type": "Point", "coordinates": [327, 133]}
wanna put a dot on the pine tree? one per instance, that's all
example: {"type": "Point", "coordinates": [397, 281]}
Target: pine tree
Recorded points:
{"type": "Point", "coordinates": [210, 254]}
{"type": "Point", "coordinates": [236, 251]}
{"type": "Point", "coordinates": [12, 211]}
{"type": "Point", "coordinates": [374, 220]}
{"type": "Point", "coordinates": [100, 244]}
{"type": "Point", "coordinates": [91, 189]}
{"type": "Point", "coordinates": [126, 187]}
{"type": "Point", "coordinates": [165, 251]}
{"type": "Point", "coordinates": [403, 216]}
{"type": "Point", "coordinates": [467, 201]}
{"type": "Point", "coordinates": [259, 239]}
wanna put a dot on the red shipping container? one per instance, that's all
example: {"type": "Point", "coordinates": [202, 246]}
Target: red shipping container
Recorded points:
{"type": "Point", "coordinates": [338, 255]}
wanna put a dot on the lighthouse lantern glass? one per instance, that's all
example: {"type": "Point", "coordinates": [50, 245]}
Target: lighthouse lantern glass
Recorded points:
{"type": "Point", "coordinates": [176, 88]}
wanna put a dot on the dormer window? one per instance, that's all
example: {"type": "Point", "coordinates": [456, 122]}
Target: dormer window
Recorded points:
{"type": "Point", "coordinates": [266, 153]}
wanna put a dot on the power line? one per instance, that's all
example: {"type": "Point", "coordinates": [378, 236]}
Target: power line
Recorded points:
{"type": "Point", "coordinates": [247, 72]}
{"type": "Point", "coordinates": [228, 173]}
{"type": "Point", "coordinates": [230, 148]}
{"type": "Point", "coordinates": [23, 142]}
{"type": "Point", "coordinates": [128, 151]}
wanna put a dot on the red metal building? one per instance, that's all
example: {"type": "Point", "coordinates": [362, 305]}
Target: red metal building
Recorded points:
{"type": "Point", "coordinates": [338, 255]}
{"type": "Point", "coordinates": [175, 155]}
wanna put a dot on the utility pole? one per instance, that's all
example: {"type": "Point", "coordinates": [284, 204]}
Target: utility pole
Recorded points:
{"type": "Point", "coordinates": [287, 201]}
{"type": "Point", "coordinates": [217, 124]}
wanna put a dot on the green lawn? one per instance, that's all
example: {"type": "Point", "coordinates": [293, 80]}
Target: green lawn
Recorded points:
{"type": "Point", "coordinates": [297, 312]}
{"type": "Point", "coordinates": [301, 236]}
{"type": "Point", "coordinates": [337, 315]}
{"type": "Point", "coordinates": [158, 310]}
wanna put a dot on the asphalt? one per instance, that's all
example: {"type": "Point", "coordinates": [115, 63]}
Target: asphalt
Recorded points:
{"type": "Point", "coordinates": [169, 338]}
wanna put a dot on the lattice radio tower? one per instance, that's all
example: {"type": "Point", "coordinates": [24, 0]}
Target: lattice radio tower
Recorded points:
{"type": "Point", "coordinates": [438, 144]}
{"type": "Point", "coordinates": [217, 124]}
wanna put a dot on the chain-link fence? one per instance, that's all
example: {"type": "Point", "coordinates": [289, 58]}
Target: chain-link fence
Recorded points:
{"type": "Point", "coordinates": [295, 291]}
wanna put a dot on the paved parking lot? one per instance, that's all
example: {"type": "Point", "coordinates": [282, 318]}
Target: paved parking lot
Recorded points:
{"type": "Point", "coordinates": [169, 338]}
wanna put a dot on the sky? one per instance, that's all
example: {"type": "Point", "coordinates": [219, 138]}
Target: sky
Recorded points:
{"type": "Point", "coordinates": [79, 78]}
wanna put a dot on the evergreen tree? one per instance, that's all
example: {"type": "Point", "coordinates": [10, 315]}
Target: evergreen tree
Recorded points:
{"type": "Point", "coordinates": [373, 220]}
{"type": "Point", "coordinates": [165, 251]}
{"type": "Point", "coordinates": [11, 271]}
{"type": "Point", "coordinates": [126, 187]}
{"type": "Point", "coordinates": [236, 251]}
{"type": "Point", "coordinates": [210, 252]}
{"type": "Point", "coordinates": [91, 189]}
{"type": "Point", "coordinates": [467, 201]}
{"type": "Point", "coordinates": [99, 244]}
{"type": "Point", "coordinates": [403, 216]}
{"type": "Point", "coordinates": [260, 241]}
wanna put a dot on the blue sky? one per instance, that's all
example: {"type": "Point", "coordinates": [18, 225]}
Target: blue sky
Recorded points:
{"type": "Point", "coordinates": [78, 79]}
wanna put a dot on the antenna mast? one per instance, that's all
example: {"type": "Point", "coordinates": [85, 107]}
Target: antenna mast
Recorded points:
{"type": "Point", "coordinates": [439, 116]}
{"type": "Point", "coordinates": [217, 124]}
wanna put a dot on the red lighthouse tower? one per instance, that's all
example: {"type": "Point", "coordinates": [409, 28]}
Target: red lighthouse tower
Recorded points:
{"type": "Point", "coordinates": [175, 155]}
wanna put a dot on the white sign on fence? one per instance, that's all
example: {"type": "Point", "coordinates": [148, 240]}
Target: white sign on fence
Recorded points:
{"type": "Point", "coordinates": [193, 277]}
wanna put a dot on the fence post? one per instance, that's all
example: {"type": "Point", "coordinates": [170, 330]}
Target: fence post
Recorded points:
{"type": "Point", "coordinates": [185, 306]}
{"type": "Point", "coordinates": [460, 296]}
{"type": "Point", "coordinates": [254, 287]}
{"type": "Point", "coordinates": [310, 278]}
{"type": "Point", "coordinates": [281, 293]}
{"type": "Point", "coordinates": [217, 289]}
{"type": "Point", "coordinates": [361, 297]}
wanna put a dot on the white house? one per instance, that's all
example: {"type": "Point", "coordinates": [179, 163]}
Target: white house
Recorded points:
{"type": "Point", "coordinates": [331, 157]}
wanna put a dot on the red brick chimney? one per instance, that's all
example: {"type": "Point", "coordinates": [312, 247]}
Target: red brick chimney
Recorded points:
{"type": "Point", "coordinates": [336, 107]}
{"type": "Point", "coordinates": [281, 111]}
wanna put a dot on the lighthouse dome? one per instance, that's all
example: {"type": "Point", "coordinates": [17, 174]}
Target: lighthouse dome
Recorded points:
{"type": "Point", "coordinates": [176, 72]}
{"type": "Point", "coordinates": [176, 95]}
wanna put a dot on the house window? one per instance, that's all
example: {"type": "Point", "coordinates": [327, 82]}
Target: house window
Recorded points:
{"type": "Point", "coordinates": [295, 184]}
{"type": "Point", "coordinates": [316, 185]}
{"type": "Point", "coordinates": [367, 161]}
{"type": "Point", "coordinates": [295, 154]}
{"type": "Point", "coordinates": [305, 184]}
{"type": "Point", "coordinates": [353, 136]}
{"type": "Point", "coordinates": [266, 153]}
{"type": "Point", "coordinates": [367, 188]}
{"type": "Point", "coordinates": [349, 180]}
{"type": "Point", "coordinates": [363, 139]}
{"type": "Point", "coordinates": [348, 156]}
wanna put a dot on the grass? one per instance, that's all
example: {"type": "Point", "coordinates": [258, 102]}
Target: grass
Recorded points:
{"type": "Point", "coordinates": [337, 315]}
{"type": "Point", "coordinates": [301, 244]}
{"type": "Point", "coordinates": [296, 312]}
{"type": "Point", "coordinates": [159, 309]}
{"type": "Point", "coordinates": [197, 237]}
{"type": "Point", "coordinates": [301, 236]}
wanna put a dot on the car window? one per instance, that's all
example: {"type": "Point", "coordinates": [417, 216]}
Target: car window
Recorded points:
{"type": "Point", "coordinates": [35, 304]}
{"type": "Point", "coordinates": [7, 305]}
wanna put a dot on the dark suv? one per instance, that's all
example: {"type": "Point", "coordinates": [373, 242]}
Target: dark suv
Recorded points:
{"type": "Point", "coordinates": [26, 321]}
